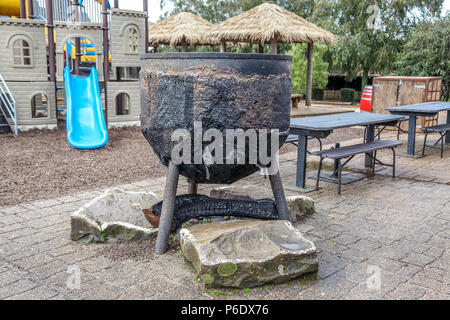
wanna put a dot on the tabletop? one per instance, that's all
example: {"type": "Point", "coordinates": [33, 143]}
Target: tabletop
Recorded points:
{"type": "Point", "coordinates": [426, 107]}
{"type": "Point", "coordinates": [342, 120]}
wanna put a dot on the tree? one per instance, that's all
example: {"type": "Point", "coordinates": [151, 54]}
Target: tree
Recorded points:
{"type": "Point", "coordinates": [299, 62]}
{"type": "Point", "coordinates": [219, 10]}
{"type": "Point", "coordinates": [427, 53]}
{"type": "Point", "coordinates": [371, 32]}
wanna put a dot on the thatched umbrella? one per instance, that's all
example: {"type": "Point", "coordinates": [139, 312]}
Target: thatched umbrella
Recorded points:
{"type": "Point", "coordinates": [183, 29]}
{"type": "Point", "coordinates": [271, 24]}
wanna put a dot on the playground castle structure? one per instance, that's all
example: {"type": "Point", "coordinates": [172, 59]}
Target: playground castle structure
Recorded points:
{"type": "Point", "coordinates": [39, 38]}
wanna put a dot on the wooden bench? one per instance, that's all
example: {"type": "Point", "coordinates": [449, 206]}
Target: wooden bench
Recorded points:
{"type": "Point", "coordinates": [351, 151]}
{"type": "Point", "coordinates": [442, 129]}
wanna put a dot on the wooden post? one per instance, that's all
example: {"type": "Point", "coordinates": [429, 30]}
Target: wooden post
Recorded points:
{"type": "Point", "coordinates": [278, 194]}
{"type": "Point", "coordinates": [260, 48]}
{"type": "Point", "coordinates": [105, 56]}
{"type": "Point", "coordinates": [145, 6]}
{"type": "Point", "coordinates": [23, 9]}
{"type": "Point", "coordinates": [51, 48]}
{"type": "Point", "coordinates": [223, 46]}
{"type": "Point", "coordinates": [155, 48]}
{"type": "Point", "coordinates": [76, 14]}
{"type": "Point", "coordinates": [30, 9]}
{"type": "Point", "coordinates": [193, 188]}
{"type": "Point", "coordinates": [184, 46]}
{"type": "Point", "coordinates": [309, 73]}
{"type": "Point", "coordinates": [274, 46]}
{"type": "Point", "coordinates": [165, 222]}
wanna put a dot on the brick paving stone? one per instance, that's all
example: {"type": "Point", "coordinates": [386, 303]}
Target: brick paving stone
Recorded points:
{"type": "Point", "coordinates": [407, 291]}
{"type": "Point", "coordinates": [16, 288]}
{"type": "Point", "coordinates": [38, 293]}
{"type": "Point", "coordinates": [9, 276]}
{"type": "Point", "coordinates": [399, 225]}
{"type": "Point", "coordinates": [418, 259]}
{"type": "Point", "coordinates": [346, 239]}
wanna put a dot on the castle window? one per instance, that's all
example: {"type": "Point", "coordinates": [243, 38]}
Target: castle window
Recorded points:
{"type": "Point", "coordinates": [21, 53]}
{"type": "Point", "coordinates": [122, 104]}
{"type": "Point", "coordinates": [132, 40]}
{"type": "Point", "coordinates": [39, 106]}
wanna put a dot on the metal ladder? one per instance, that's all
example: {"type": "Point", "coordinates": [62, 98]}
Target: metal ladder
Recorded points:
{"type": "Point", "coordinates": [8, 106]}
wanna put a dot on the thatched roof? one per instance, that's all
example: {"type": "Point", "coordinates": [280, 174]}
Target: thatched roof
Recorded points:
{"type": "Point", "coordinates": [183, 26]}
{"type": "Point", "coordinates": [266, 22]}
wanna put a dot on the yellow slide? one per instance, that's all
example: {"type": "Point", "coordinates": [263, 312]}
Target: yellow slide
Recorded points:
{"type": "Point", "coordinates": [11, 8]}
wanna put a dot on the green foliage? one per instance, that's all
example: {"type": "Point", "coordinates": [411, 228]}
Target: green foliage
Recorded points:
{"type": "Point", "coordinates": [371, 32]}
{"type": "Point", "coordinates": [299, 63]}
{"type": "Point", "coordinates": [427, 53]}
{"type": "Point", "coordinates": [217, 11]}
{"type": "Point", "coordinates": [347, 94]}
{"type": "Point", "coordinates": [317, 94]}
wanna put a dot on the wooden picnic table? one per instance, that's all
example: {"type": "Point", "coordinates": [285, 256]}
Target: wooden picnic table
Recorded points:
{"type": "Point", "coordinates": [323, 126]}
{"type": "Point", "coordinates": [427, 109]}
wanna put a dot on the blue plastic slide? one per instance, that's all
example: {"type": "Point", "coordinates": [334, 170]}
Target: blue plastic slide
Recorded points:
{"type": "Point", "coordinates": [86, 128]}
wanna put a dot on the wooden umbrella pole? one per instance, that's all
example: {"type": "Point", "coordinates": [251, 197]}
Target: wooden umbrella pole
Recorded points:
{"type": "Point", "coordinates": [184, 46]}
{"type": "Point", "coordinates": [145, 8]}
{"type": "Point", "coordinates": [260, 48]}
{"type": "Point", "coordinates": [274, 46]}
{"type": "Point", "coordinates": [309, 74]}
{"type": "Point", "coordinates": [223, 46]}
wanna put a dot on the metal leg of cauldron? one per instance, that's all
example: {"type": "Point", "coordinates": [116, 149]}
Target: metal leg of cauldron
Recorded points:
{"type": "Point", "coordinates": [165, 224]}
{"type": "Point", "coordinates": [192, 189]}
{"type": "Point", "coordinates": [278, 193]}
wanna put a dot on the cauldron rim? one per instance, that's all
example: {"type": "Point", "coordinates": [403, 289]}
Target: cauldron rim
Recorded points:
{"type": "Point", "coordinates": [215, 55]}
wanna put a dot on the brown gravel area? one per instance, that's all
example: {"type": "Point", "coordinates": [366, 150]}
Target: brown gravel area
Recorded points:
{"type": "Point", "coordinates": [40, 164]}
{"type": "Point", "coordinates": [138, 250]}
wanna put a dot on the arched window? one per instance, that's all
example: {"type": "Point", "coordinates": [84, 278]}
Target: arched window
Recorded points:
{"type": "Point", "coordinates": [21, 53]}
{"type": "Point", "coordinates": [39, 106]}
{"type": "Point", "coordinates": [122, 104]}
{"type": "Point", "coordinates": [132, 40]}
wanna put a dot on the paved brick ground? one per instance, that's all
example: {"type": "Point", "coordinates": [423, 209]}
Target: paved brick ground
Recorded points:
{"type": "Point", "coordinates": [396, 230]}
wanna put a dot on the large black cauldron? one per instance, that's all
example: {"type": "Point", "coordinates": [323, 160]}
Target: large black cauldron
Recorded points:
{"type": "Point", "coordinates": [224, 91]}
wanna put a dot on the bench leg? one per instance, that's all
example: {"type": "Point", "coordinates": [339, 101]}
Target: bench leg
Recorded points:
{"type": "Point", "coordinates": [442, 144]}
{"type": "Point", "coordinates": [339, 176]}
{"type": "Point", "coordinates": [374, 161]}
{"type": "Point", "coordinates": [424, 143]}
{"type": "Point", "coordinates": [393, 162]}
{"type": "Point", "coordinates": [318, 173]}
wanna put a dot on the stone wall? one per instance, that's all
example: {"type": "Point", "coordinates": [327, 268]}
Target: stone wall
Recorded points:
{"type": "Point", "coordinates": [23, 92]}
{"type": "Point", "coordinates": [121, 21]}
{"type": "Point", "coordinates": [132, 89]}
{"type": "Point", "coordinates": [33, 32]}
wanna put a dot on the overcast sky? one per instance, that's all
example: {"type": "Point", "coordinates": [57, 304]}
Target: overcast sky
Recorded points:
{"type": "Point", "coordinates": [155, 11]}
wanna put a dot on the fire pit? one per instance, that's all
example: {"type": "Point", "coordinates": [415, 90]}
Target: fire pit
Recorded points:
{"type": "Point", "coordinates": [196, 98]}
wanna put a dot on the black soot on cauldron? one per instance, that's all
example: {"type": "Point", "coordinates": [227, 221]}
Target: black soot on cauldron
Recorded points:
{"type": "Point", "coordinates": [195, 92]}
{"type": "Point", "coordinates": [219, 90]}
